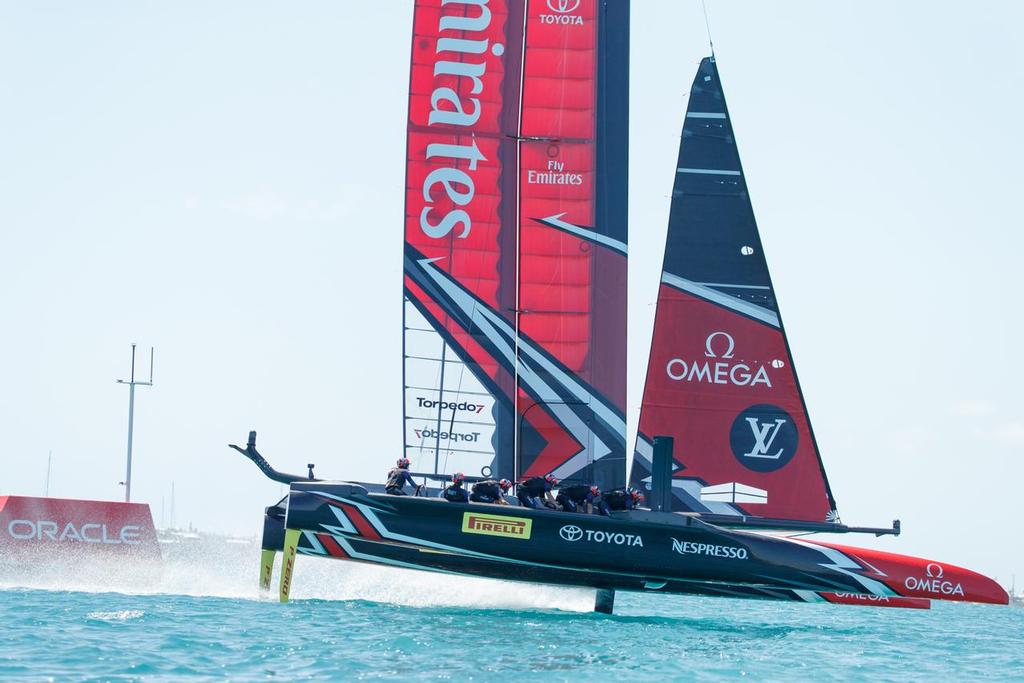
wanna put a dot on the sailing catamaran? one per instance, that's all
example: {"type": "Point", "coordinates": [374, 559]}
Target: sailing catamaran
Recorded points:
{"type": "Point", "coordinates": [515, 344]}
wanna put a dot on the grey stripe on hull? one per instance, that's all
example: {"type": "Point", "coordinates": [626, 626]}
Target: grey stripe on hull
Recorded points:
{"type": "Point", "coordinates": [714, 296]}
{"type": "Point", "coordinates": [704, 115]}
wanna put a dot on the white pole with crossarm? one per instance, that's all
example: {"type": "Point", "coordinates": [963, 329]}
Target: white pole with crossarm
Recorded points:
{"type": "Point", "coordinates": [131, 417]}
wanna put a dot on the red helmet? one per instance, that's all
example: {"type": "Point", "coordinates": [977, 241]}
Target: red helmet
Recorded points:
{"type": "Point", "coordinates": [551, 479]}
{"type": "Point", "coordinates": [634, 494]}
{"type": "Point", "coordinates": [458, 477]}
{"type": "Point", "coordinates": [403, 463]}
{"type": "Point", "coordinates": [595, 491]}
{"type": "Point", "coordinates": [505, 484]}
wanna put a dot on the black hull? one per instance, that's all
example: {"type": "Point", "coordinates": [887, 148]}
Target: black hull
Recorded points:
{"type": "Point", "coordinates": [635, 551]}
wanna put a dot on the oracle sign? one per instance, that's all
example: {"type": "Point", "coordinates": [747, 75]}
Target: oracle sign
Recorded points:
{"type": "Point", "coordinates": [47, 530]}
{"type": "Point", "coordinates": [53, 525]}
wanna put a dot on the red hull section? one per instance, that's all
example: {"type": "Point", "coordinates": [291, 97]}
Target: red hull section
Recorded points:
{"type": "Point", "coordinates": [60, 528]}
{"type": "Point", "coordinates": [916, 577]}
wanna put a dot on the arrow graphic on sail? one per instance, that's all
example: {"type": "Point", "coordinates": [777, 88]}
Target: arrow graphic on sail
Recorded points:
{"type": "Point", "coordinates": [588, 234]}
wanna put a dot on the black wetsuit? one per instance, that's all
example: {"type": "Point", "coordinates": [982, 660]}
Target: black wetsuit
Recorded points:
{"type": "Point", "coordinates": [572, 498]}
{"type": "Point", "coordinates": [618, 499]}
{"type": "Point", "coordinates": [398, 477]}
{"type": "Point", "coordinates": [531, 492]}
{"type": "Point", "coordinates": [486, 491]}
{"type": "Point", "coordinates": [454, 493]}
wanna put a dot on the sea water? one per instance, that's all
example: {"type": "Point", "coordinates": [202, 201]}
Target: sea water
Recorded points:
{"type": "Point", "coordinates": [347, 622]}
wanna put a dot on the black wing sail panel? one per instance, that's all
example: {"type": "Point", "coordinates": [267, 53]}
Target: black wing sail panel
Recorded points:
{"type": "Point", "coordinates": [721, 378]}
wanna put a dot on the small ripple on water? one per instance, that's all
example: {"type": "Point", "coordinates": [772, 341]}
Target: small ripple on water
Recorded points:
{"type": "Point", "coordinates": [113, 617]}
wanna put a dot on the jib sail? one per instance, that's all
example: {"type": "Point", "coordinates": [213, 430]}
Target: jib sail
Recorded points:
{"type": "Point", "coordinates": [515, 238]}
{"type": "Point", "coordinates": [720, 378]}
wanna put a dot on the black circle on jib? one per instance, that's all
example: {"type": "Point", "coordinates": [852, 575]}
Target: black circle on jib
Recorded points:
{"type": "Point", "coordinates": [764, 438]}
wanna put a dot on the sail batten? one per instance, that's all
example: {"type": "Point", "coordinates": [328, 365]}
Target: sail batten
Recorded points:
{"type": "Point", "coordinates": [721, 378]}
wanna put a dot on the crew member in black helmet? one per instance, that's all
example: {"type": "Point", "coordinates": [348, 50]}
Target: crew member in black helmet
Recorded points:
{"type": "Point", "coordinates": [398, 477]}
{"type": "Point", "coordinates": [490, 491]}
{"type": "Point", "coordinates": [622, 499]}
{"type": "Point", "coordinates": [454, 492]}
{"type": "Point", "coordinates": [535, 492]}
{"type": "Point", "coordinates": [579, 498]}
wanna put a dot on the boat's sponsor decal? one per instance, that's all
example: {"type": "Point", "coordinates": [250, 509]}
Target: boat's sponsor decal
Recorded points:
{"type": "Point", "coordinates": [722, 368]}
{"type": "Point", "coordinates": [46, 531]}
{"type": "Point", "coordinates": [495, 525]}
{"type": "Point", "coordinates": [710, 549]}
{"type": "Point", "coordinates": [554, 174]}
{"type": "Point", "coordinates": [456, 406]}
{"type": "Point", "coordinates": [573, 533]}
{"type": "Point", "coordinates": [859, 596]}
{"type": "Point", "coordinates": [461, 50]}
{"type": "Point", "coordinates": [563, 13]}
{"type": "Point", "coordinates": [933, 582]}
{"type": "Point", "coordinates": [444, 435]}
{"type": "Point", "coordinates": [763, 438]}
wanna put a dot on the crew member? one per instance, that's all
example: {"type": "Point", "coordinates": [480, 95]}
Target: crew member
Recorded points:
{"type": "Point", "coordinates": [454, 492]}
{"type": "Point", "coordinates": [490, 491]}
{"type": "Point", "coordinates": [579, 498]}
{"type": "Point", "coordinates": [622, 499]}
{"type": "Point", "coordinates": [398, 477]}
{"type": "Point", "coordinates": [535, 492]}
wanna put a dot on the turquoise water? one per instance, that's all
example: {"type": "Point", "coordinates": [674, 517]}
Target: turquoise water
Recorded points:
{"type": "Point", "coordinates": [377, 623]}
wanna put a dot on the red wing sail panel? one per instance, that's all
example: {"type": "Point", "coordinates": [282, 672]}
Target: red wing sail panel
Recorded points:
{"type": "Point", "coordinates": [514, 271]}
{"type": "Point", "coordinates": [463, 111]}
{"type": "Point", "coordinates": [721, 378]}
{"type": "Point", "coordinates": [572, 241]}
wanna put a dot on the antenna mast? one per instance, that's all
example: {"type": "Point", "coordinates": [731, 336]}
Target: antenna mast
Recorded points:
{"type": "Point", "coordinates": [132, 383]}
{"type": "Point", "coordinates": [707, 25]}
{"type": "Point", "coordinates": [49, 461]}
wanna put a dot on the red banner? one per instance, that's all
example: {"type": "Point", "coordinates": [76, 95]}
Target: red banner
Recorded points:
{"type": "Point", "coordinates": [62, 528]}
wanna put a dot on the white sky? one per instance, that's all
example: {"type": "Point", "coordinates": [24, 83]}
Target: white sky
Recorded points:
{"type": "Point", "coordinates": [224, 181]}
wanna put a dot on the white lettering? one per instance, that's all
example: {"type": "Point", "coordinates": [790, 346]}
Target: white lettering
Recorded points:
{"type": "Point", "coordinates": [711, 550]}
{"type": "Point", "coordinates": [130, 534]}
{"type": "Point", "coordinates": [85, 530]}
{"type": "Point", "coordinates": [562, 19]}
{"type": "Point", "coordinates": [49, 529]}
{"type": "Point", "coordinates": [90, 532]}
{"type": "Point", "coordinates": [470, 153]}
{"type": "Point", "coordinates": [28, 535]}
{"type": "Point", "coordinates": [740, 374]}
{"type": "Point", "coordinates": [936, 585]}
{"type": "Point", "coordinates": [448, 108]}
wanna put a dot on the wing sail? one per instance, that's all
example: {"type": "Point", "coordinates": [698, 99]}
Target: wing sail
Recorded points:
{"type": "Point", "coordinates": [515, 264]}
{"type": "Point", "coordinates": [460, 201]}
{"type": "Point", "coordinates": [572, 239]}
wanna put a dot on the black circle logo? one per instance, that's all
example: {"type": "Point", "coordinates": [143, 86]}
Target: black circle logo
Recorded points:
{"type": "Point", "coordinates": [763, 438]}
